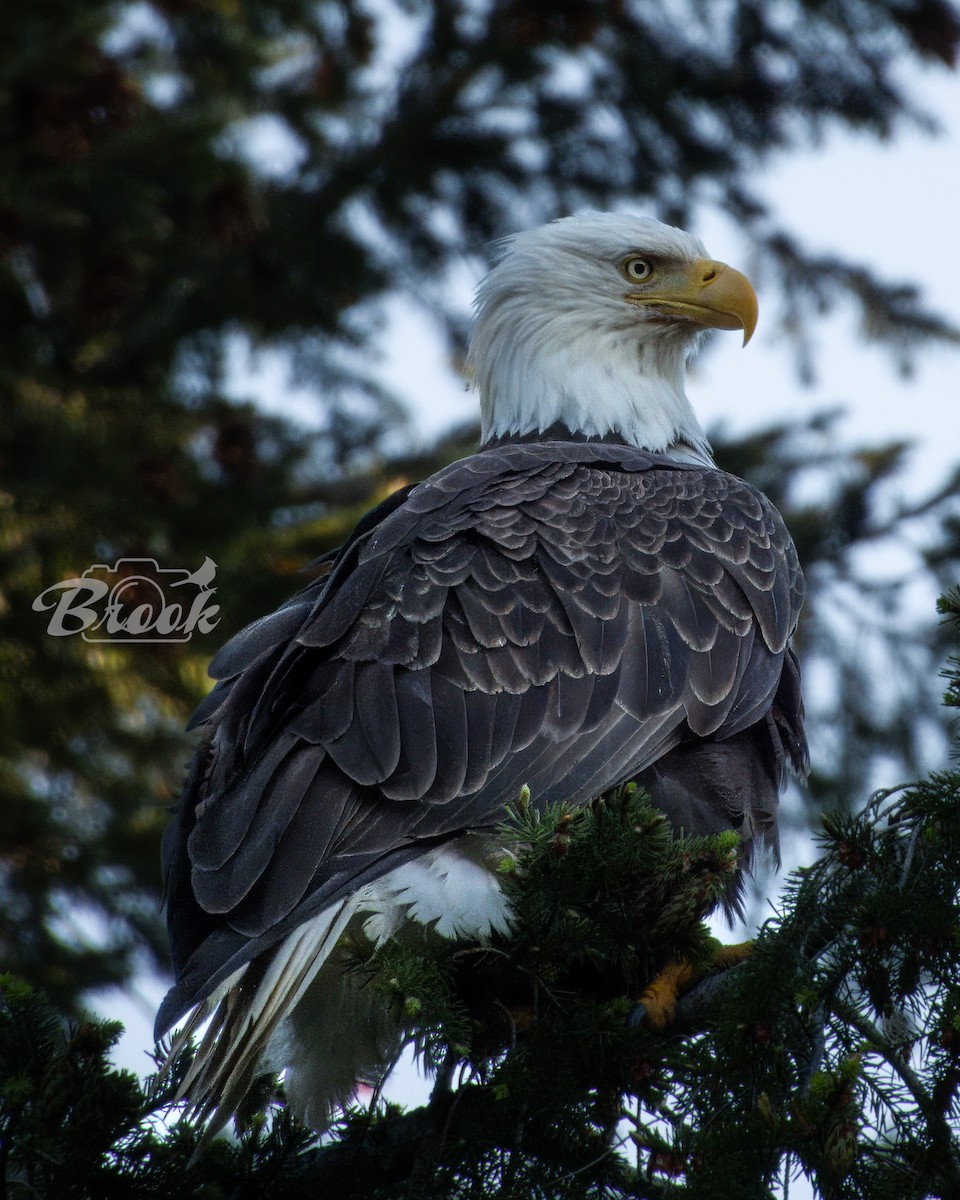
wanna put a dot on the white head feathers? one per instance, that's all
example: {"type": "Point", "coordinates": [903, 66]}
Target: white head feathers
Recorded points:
{"type": "Point", "coordinates": [557, 341]}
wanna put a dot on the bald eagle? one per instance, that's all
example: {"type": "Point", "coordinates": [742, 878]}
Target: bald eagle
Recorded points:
{"type": "Point", "coordinates": [584, 601]}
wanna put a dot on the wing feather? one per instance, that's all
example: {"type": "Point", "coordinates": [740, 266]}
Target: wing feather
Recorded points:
{"type": "Point", "coordinates": [481, 712]}
{"type": "Point", "coordinates": [567, 706]}
{"type": "Point", "coordinates": [218, 833]}
{"type": "Point", "coordinates": [417, 768]}
{"type": "Point", "coordinates": [327, 717]}
{"type": "Point", "coordinates": [450, 718]}
{"type": "Point", "coordinates": [506, 717]}
{"type": "Point", "coordinates": [367, 752]}
{"type": "Point", "coordinates": [297, 857]}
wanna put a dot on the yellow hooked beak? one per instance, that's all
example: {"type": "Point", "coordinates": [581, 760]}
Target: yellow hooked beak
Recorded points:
{"type": "Point", "coordinates": [708, 293]}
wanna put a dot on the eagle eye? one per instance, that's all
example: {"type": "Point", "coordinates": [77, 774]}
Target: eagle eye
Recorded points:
{"type": "Point", "coordinates": [636, 269]}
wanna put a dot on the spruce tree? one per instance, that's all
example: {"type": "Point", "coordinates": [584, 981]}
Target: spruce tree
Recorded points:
{"type": "Point", "coordinates": [832, 1052]}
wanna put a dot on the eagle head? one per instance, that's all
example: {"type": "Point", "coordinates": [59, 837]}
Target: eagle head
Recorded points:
{"type": "Point", "coordinates": [588, 323]}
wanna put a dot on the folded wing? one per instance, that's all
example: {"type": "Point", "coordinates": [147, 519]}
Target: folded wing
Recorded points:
{"type": "Point", "coordinates": [556, 615]}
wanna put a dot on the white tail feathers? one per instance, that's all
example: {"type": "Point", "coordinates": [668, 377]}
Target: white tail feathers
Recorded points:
{"type": "Point", "coordinates": [247, 1012]}
{"type": "Point", "coordinates": [299, 1009]}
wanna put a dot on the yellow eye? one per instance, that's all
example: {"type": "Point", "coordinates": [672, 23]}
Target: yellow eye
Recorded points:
{"type": "Point", "coordinates": [636, 269]}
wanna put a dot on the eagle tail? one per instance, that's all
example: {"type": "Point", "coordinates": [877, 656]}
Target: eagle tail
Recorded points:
{"type": "Point", "coordinates": [246, 1014]}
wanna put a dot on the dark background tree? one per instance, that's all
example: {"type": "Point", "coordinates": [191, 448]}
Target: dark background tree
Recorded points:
{"type": "Point", "coordinates": [178, 175]}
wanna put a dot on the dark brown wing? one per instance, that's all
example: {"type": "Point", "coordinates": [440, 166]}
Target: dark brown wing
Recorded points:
{"type": "Point", "coordinates": [556, 615]}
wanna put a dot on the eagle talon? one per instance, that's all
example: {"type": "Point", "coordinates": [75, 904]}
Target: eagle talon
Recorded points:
{"type": "Point", "coordinates": [658, 1002]}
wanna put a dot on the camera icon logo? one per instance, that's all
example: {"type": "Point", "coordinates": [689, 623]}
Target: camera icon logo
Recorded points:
{"type": "Point", "coordinates": [135, 600]}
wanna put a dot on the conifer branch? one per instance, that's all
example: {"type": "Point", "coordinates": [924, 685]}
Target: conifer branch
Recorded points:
{"type": "Point", "coordinates": [896, 1058]}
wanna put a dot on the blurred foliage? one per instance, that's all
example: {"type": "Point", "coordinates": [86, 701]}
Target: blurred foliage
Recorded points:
{"type": "Point", "coordinates": [832, 1051]}
{"type": "Point", "coordinates": [184, 179]}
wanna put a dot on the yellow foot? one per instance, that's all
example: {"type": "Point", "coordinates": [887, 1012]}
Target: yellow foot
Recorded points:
{"type": "Point", "coordinates": [658, 1003]}
{"type": "Point", "coordinates": [729, 956]}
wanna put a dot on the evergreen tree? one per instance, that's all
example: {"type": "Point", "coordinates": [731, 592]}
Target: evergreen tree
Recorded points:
{"type": "Point", "coordinates": [833, 1051]}
{"type": "Point", "coordinates": [148, 224]}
